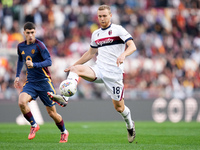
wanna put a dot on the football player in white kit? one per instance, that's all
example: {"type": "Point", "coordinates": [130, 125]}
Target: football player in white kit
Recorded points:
{"type": "Point", "coordinates": [113, 43]}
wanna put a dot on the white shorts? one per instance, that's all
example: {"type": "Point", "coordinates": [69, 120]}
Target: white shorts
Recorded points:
{"type": "Point", "coordinates": [112, 81]}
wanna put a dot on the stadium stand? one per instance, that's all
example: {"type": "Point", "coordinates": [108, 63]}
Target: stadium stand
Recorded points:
{"type": "Point", "coordinates": [166, 33]}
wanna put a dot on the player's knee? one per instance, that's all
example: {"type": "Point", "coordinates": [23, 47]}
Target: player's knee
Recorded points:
{"type": "Point", "coordinates": [52, 114]}
{"type": "Point", "coordinates": [21, 104]}
{"type": "Point", "coordinates": [119, 109]}
{"type": "Point", "coordinates": [76, 69]}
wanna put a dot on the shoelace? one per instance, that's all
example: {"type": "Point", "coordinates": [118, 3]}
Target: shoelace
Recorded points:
{"type": "Point", "coordinates": [63, 137]}
{"type": "Point", "coordinates": [32, 130]}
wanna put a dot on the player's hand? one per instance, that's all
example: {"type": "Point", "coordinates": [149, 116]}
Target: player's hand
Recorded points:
{"type": "Point", "coordinates": [29, 63]}
{"type": "Point", "coordinates": [67, 69]}
{"type": "Point", "coordinates": [16, 82]}
{"type": "Point", "coordinates": [120, 59]}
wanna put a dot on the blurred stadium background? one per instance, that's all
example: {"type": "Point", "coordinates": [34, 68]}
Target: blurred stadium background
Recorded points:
{"type": "Point", "coordinates": [163, 75]}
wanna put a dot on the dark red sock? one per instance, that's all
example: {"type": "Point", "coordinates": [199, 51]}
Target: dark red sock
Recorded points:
{"type": "Point", "coordinates": [29, 117]}
{"type": "Point", "coordinates": [61, 126]}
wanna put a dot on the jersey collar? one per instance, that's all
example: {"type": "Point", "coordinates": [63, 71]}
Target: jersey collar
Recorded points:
{"type": "Point", "coordinates": [31, 43]}
{"type": "Point", "coordinates": [107, 27]}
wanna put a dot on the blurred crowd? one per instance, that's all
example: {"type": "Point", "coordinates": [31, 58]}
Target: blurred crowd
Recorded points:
{"type": "Point", "coordinates": [166, 33]}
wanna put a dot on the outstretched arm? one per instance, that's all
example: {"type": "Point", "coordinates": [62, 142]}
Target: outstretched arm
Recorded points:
{"type": "Point", "coordinates": [85, 57]}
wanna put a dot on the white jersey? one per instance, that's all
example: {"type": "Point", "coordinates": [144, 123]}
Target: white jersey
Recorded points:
{"type": "Point", "coordinates": [111, 44]}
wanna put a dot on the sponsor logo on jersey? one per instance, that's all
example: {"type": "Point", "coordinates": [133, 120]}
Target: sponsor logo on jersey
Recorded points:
{"type": "Point", "coordinates": [104, 41]}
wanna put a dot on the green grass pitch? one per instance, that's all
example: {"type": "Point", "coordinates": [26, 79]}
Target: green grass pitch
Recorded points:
{"type": "Point", "coordinates": [103, 136]}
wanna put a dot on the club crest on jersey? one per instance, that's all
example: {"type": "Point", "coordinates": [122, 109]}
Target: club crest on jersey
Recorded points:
{"type": "Point", "coordinates": [110, 32]}
{"type": "Point", "coordinates": [32, 51]}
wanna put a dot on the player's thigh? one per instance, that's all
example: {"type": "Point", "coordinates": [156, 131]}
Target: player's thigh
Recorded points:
{"type": "Point", "coordinates": [46, 86]}
{"type": "Point", "coordinates": [85, 72]}
{"type": "Point", "coordinates": [28, 93]}
{"type": "Point", "coordinates": [114, 87]}
{"type": "Point", "coordinates": [45, 99]}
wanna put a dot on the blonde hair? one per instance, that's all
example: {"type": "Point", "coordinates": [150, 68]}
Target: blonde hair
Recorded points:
{"type": "Point", "coordinates": [103, 7]}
